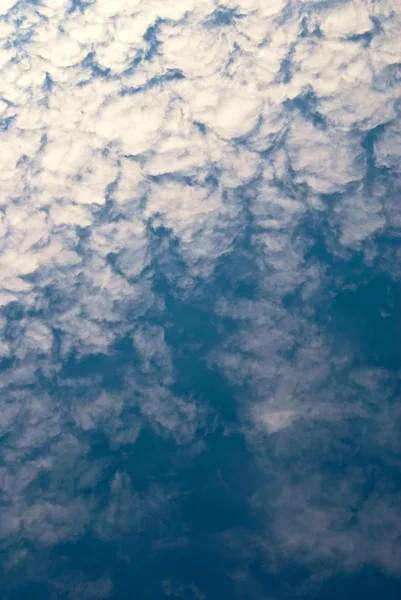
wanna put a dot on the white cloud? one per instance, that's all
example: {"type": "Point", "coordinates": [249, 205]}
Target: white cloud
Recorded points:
{"type": "Point", "coordinates": [5, 5]}
{"type": "Point", "coordinates": [275, 420]}
{"type": "Point", "coordinates": [327, 162]}
{"type": "Point", "coordinates": [347, 20]}
{"type": "Point", "coordinates": [361, 215]}
{"type": "Point", "coordinates": [93, 162]}
{"type": "Point", "coordinates": [387, 147]}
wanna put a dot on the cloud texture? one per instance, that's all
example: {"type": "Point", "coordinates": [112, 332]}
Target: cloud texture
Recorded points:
{"type": "Point", "coordinates": [244, 157]}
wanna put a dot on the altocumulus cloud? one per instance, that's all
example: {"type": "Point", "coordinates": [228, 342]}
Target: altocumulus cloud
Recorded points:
{"type": "Point", "coordinates": [148, 151]}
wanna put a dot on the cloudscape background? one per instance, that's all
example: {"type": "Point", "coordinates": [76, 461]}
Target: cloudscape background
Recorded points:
{"type": "Point", "coordinates": [200, 263]}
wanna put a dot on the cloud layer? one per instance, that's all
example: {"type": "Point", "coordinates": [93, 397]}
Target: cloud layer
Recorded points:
{"type": "Point", "coordinates": [244, 157]}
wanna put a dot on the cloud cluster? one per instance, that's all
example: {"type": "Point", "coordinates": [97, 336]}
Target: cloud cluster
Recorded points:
{"type": "Point", "coordinates": [132, 132]}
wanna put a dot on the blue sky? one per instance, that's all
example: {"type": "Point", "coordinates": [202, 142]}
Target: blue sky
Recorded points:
{"type": "Point", "coordinates": [200, 296]}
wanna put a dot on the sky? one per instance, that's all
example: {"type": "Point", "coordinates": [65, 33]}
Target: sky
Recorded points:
{"type": "Point", "coordinates": [200, 299]}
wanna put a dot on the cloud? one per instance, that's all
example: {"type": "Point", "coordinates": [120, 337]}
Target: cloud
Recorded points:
{"type": "Point", "coordinates": [142, 145]}
{"type": "Point", "coordinates": [347, 20]}
{"type": "Point", "coordinates": [317, 426]}
{"type": "Point", "coordinates": [177, 590]}
{"type": "Point", "coordinates": [387, 147]}
{"type": "Point", "coordinates": [78, 587]}
{"type": "Point", "coordinates": [126, 511]}
{"type": "Point", "coordinates": [274, 420]}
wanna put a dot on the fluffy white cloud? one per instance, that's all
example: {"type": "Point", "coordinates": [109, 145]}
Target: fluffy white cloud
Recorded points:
{"type": "Point", "coordinates": [125, 119]}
